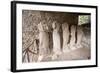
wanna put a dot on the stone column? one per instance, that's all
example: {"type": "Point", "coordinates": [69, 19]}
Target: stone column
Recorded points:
{"type": "Point", "coordinates": [80, 35]}
{"type": "Point", "coordinates": [66, 33]}
{"type": "Point", "coordinates": [56, 39]}
{"type": "Point", "coordinates": [43, 40]}
{"type": "Point", "coordinates": [73, 38]}
{"type": "Point", "coordinates": [72, 20]}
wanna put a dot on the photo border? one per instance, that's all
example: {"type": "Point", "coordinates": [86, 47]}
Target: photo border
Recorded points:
{"type": "Point", "coordinates": [13, 35]}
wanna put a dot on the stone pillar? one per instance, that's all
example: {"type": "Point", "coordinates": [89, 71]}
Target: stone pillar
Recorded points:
{"type": "Point", "coordinates": [66, 33]}
{"type": "Point", "coordinates": [80, 35]}
{"type": "Point", "coordinates": [73, 38]}
{"type": "Point", "coordinates": [72, 20]}
{"type": "Point", "coordinates": [43, 40]}
{"type": "Point", "coordinates": [56, 39]}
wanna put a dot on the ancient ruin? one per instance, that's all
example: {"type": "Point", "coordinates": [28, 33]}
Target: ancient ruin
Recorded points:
{"type": "Point", "coordinates": [55, 36]}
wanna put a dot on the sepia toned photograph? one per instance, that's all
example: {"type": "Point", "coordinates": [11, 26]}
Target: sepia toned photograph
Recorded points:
{"type": "Point", "coordinates": [48, 36]}
{"type": "Point", "coordinates": [55, 36]}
